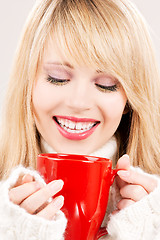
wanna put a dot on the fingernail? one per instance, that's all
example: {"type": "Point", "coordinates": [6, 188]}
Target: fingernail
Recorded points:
{"type": "Point", "coordinates": [56, 185]}
{"type": "Point", "coordinates": [23, 178]}
{"type": "Point", "coordinates": [124, 174]}
{"type": "Point", "coordinates": [59, 201]}
{"type": "Point", "coordinates": [27, 178]}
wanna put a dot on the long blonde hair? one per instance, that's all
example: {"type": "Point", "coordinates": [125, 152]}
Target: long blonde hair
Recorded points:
{"type": "Point", "coordinates": [109, 35]}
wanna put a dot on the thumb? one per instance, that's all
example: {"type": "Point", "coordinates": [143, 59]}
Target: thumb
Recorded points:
{"type": "Point", "coordinates": [123, 163]}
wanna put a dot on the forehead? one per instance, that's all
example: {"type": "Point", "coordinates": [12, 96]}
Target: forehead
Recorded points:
{"type": "Point", "coordinates": [91, 37]}
{"type": "Point", "coordinates": [73, 55]}
{"type": "Point", "coordinates": [52, 52]}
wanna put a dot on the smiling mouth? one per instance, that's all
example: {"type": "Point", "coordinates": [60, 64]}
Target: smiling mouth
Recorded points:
{"type": "Point", "coordinates": [77, 126]}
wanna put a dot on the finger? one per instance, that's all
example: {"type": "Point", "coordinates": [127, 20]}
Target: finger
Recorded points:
{"type": "Point", "coordinates": [50, 210]}
{"type": "Point", "coordinates": [27, 178]}
{"type": "Point", "coordinates": [115, 212]}
{"type": "Point", "coordinates": [41, 207]}
{"type": "Point", "coordinates": [124, 203]}
{"type": "Point", "coordinates": [133, 192]}
{"type": "Point", "coordinates": [19, 181]}
{"type": "Point", "coordinates": [120, 183]}
{"type": "Point", "coordinates": [134, 177]}
{"type": "Point", "coordinates": [123, 163]}
{"type": "Point", "coordinates": [24, 179]}
{"type": "Point", "coordinates": [36, 200]}
{"type": "Point", "coordinates": [18, 194]}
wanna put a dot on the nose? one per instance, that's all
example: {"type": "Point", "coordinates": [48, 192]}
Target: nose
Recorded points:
{"type": "Point", "coordinates": [80, 98]}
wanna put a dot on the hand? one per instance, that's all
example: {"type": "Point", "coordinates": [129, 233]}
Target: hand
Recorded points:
{"type": "Point", "coordinates": [133, 185]}
{"type": "Point", "coordinates": [33, 196]}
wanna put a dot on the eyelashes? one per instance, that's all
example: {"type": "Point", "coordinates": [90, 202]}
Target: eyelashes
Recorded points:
{"type": "Point", "coordinates": [57, 81]}
{"type": "Point", "coordinates": [102, 88]}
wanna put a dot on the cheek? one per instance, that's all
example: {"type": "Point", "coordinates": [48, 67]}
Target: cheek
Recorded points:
{"type": "Point", "coordinates": [43, 98]}
{"type": "Point", "coordinates": [114, 106]}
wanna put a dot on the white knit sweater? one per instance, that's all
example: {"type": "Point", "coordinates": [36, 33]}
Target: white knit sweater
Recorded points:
{"type": "Point", "coordinates": [17, 224]}
{"type": "Point", "coordinates": [140, 221]}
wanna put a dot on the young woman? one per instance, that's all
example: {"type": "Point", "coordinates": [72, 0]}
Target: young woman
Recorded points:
{"type": "Point", "coordinates": [85, 81]}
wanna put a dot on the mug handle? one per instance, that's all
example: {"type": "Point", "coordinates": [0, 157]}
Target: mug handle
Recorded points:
{"type": "Point", "coordinates": [102, 231]}
{"type": "Point", "coordinates": [113, 175]}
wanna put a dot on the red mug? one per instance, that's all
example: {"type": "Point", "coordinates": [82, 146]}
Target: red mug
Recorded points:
{"type": "Point", "coordinates": [87, 181]}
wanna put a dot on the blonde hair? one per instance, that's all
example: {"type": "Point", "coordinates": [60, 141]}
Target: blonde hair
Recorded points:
{"type": "Point", "coordinates": [109, 35]}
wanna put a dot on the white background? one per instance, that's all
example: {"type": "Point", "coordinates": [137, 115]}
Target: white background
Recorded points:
{"type": "Point", "coordinates": [12, 17]}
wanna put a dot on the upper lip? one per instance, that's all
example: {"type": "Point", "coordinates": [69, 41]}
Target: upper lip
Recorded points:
{"type": "Point", "coordinates": [76, 119]}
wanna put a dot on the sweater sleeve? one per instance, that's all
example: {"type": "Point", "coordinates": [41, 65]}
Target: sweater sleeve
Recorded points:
{"type": "Point", "coordinates": [140, 221]}
{"type": "Point", "coordinates": [18, 224]}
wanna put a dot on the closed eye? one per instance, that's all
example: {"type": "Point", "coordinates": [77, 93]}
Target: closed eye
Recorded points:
{"type": "Point", "coordinates": [57, 81]}
{"type": "Point", "coordinates": [104, 88]}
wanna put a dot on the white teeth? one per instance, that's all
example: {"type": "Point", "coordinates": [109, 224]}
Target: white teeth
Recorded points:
{"type": "Point", "coordinates": [61, 121]}
{"type": "Point", "coordinates": [90, 125]}
{"type": "Point", "coordinates": [71, 125]}
{"type": "Point", "coordinates": [85, 125]}
{"type": "Point", "coordinates": [75, 127]}
{"type": "Point", "coordinates": [79, 126]}
{"type": "Point", "coordinates": [67, 123]}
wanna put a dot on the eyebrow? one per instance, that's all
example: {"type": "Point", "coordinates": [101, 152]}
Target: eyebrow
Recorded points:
{"type": "Point", "coordinates": [61, 64]}
{"type": "Point", "coordinates": [67, 65]}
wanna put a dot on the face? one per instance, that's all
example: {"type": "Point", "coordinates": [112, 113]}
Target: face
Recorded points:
{"type": "Point", "coordinates": [76, 109]}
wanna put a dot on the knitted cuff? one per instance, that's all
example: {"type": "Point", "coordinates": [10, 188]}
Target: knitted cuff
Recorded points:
{"type": "Point", "coordinates": [140, 221]}
{"type": "Point", "coordinates": [17, 224]}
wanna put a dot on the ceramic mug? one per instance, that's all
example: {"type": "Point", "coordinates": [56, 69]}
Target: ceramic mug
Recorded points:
{"type": "Point", "coordinates": [87, 181]}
